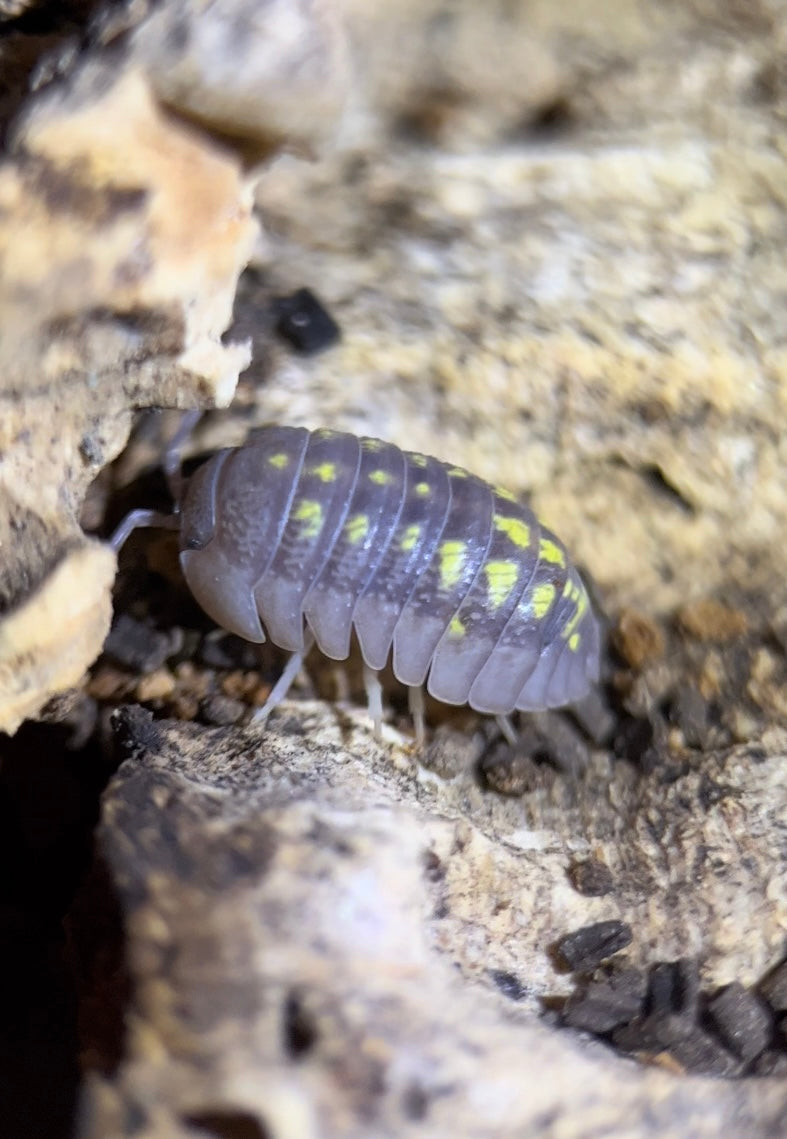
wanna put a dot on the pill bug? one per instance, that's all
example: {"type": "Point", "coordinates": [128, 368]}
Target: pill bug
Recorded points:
{"type": "Point", "coordinates": [306, 536]}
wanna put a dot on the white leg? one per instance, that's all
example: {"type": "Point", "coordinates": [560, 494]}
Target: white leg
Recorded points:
{"type": "Point", "coordinates": [172, 455]}
{"type": "Point", "coordinates": [415, 702]}
{"type": "Point", "coordinates": [136, 519]}
{"type": "Point", "coordinates": [374, 696]}
{"type": "Point", "coordinates": [282, 685]}
{"type": "Point", "coordinates": [507, 730]}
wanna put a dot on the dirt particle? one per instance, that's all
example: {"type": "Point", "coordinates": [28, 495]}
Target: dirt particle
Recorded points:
{"type": "Point", "coordinates": [711, 620]}
{"type": "Point", "coordinates": [638, 639]}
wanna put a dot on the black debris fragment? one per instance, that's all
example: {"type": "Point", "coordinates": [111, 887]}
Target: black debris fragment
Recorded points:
{"type": "Point", "coordinates": [586, 948]}
{"type": "Point", "coordinates": [591, 877]}
{"type": "Point", "coordinates": [508, 984]}
{"type": "Point", "coordinates": [691, 714]}
{"type": "Point", "coordinates": [692, 1048]}
{"type": "Point", "coordinates": [138, 646]}
{"type": "Point", "coordinates": [770, 1063]}
{"type": "Point", "coordinates": [741, 1021]}
{"type": "Point", "coordinates": [227, 651]}
{"type": "Point", "coordinates": [607, 1002]}
{"type": "Point", "coordinates": [511, 771]}
{"type": "Point", "coordinates": [674, 988]}
{"type": "Point", "coordinates": [774, 988]}
{"type": "Point", "coordinates": [560, 743]}
{"type": "Point", "coordinates": [304, 323]}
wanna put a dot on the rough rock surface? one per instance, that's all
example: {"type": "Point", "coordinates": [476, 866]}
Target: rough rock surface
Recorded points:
{"type": "Point", "coordinates": [122, 235]}
{"type": "Point", "coordinates": [552, 237]}
{"type": "Point", "coordinates": [316, 927]}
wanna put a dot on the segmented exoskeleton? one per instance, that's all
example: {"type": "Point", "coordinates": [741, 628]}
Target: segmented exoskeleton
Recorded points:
{"type": "Point", "coordinates": [298, 535]}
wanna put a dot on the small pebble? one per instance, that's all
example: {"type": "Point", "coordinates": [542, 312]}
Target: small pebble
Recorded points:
{"type": "Point", "coordinates": [449, 753]}
{"type": "Point", "coordinates": [742, 1021]}
{"type": "Point", "coordinates": [226, 651]}
{"type": "Point", "coordinates": [690, 712]}
{"type": "Point", "coordinates": [157, 686]}
{"type": "Point", "coordinates": [109, 684]}
{"type": "Point", "coordinates": [586, 948]}
{"type": "Point", "coordinates": [638, 639]}
{"type": "Point", "coordinates": [240, 685]}
{"type": "Point", "coordinates": [711, 620]}
{"type": "Point", "coordinates": [592, 878]}
{"type": "Point", "coordinates": [184, 706]}
{"type": "Point", "coordinates": [221, 710]}
{"type": "Point", "coordinates": [509, 771]}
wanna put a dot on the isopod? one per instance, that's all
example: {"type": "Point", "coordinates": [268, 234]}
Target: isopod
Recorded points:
{"type": "Point", "coordinates": [306, 536]}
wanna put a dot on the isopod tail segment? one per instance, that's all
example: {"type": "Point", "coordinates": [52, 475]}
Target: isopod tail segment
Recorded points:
{"type": "Point", "coordinates": [306, 537]}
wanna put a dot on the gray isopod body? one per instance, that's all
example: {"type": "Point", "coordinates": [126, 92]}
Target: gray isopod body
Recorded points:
{"type": "Point", "coordinates": [334, 532]}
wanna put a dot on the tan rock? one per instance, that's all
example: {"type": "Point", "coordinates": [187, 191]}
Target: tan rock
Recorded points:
{"type": "Point", "coordinates": [48, 642]}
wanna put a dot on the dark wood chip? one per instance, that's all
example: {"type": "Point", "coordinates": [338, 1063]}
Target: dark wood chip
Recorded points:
{"type": "Point", "coordinates": [591, 877]}
{"type": "Point", "coordinates": [607, 1003]}
{"type": "Point", "coordinates": [742, 1021]}
{"type": "Point", "coordinates": [586, 948]}
{"type": "Point", "coordinates": [770, 1063]}
{"type": "Point", "coordinates": [694, 1049]}
{"type": "Point", "coordinates": [674, 988]}
{"type": "Point", "coordinates": [774, 988]}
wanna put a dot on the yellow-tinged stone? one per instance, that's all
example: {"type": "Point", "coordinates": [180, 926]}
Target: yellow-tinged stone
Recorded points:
{"type": "Point", "coordinates": [48, 642]}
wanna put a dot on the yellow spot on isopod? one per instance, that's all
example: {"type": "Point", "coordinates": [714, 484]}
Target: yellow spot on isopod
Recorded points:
{"type": "Point", "coordinates": [576, 594]}
{"type": "Point", "coordinates": [357, 528]}
{"type": "Point", "coordinates": [416, 459]}
{"type": "Point", "coordinates": [310, 514]}
{"type": "Point", "coordinates": [422, 489]}
{"type": "Point", "coordinates": [372, 444]}
{"type": "Point", "coordinates": [279, 461]}
{"type": "Point", "coordinates": [452, 557]}
{"type": "Point", "coordinates": [325, 472]}
{"type": "Point", "coordinates": [549, 551]}
{"type": "Point", "coordinates": [411, 536]}
{"type": "Point", "coordinates": [501, 492]}
{"type": "Point", "coordinates": [542, 599]}
{"type": "Point", "coordinates": [381, 478]}
{"type": "Point", "coordinates": [514, 529]}
{"type": "Point", "coordinates": [573, 642]}
{"type": "Point", "coordinates": [458, 473]}
{"type": "Point", "coordinates": [501, 577]}
{"type": "Point", "coordinates": [456, 628]}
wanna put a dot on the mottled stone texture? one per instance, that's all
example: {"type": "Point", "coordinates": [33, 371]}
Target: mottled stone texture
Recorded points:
{"type": "Point", "coordinates": [553, 238]}
{"type": "Point", "coordinates": [316, 929]}
{"type": "Point", "coordinates": [122, 234]}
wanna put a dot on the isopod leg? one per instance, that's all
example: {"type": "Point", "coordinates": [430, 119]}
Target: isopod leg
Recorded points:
{"type": "Point", "coordinates": [136, 519]}
{"type": "Point", "coordinates": [283, 684]}
{"type": "Point", "coordinates": [374, 697]}
{"type": "Point", "coordinates": [415, 702]}
{"type": "Point", "coordinates": [172, 456]}
{"type": "Point", "coordinates": [507, 730]}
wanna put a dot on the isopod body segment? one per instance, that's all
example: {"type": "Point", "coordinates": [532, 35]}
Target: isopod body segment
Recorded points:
{"type": "Point", "coordinates": [474, 595]}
